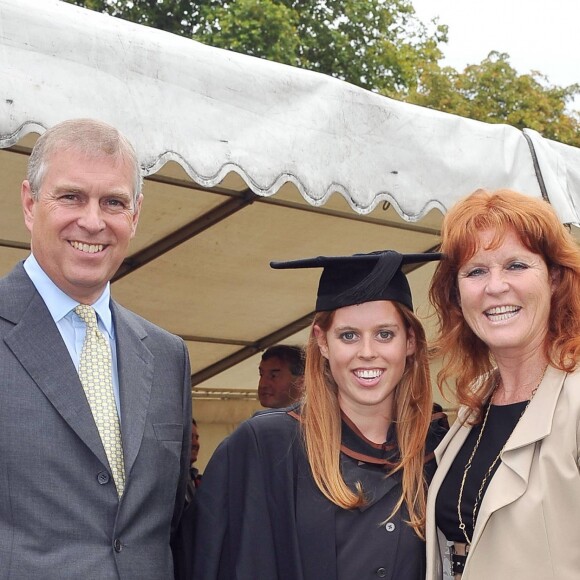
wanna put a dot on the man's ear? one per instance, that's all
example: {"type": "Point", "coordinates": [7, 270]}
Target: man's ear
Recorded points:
{"type": "Point", "coordinates": [27, 204]}
{"type": "Point", "coordinates": [136, 214]}
{"type": "Point", "coordinates": [297, 387]}
{"type": "Point", "coordinates": [321, 340]}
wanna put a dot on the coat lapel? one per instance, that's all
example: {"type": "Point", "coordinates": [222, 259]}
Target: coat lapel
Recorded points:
{"type": "Point", "coordinates": [135, 367]}
{"type": "Point", "coordinates": [36, 342]}
{"type": "Point", "coordinates": [444, 454]}
{"type": "Point", "coordinates": [511, 478]}
{"type": "Point", "coordinates": [449, 447]}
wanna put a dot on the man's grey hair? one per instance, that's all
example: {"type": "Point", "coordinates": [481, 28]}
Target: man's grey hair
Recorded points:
{"type": "Point", "coordinates": [87, 136]}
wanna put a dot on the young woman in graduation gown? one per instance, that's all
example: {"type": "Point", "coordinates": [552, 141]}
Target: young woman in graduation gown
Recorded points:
{"type": "Point", "coordinates": [333, 488]}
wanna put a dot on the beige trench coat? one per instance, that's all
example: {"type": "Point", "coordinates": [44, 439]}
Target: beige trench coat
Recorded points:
{"type": "Point", "coordinates": [528, 527]}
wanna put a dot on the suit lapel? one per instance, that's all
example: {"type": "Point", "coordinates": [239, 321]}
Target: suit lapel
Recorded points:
{"type": "Point", "coordinates": [444, 454]}
{"type": "Point", "coordinates": [38, 345]}
{"type": "Point", "coordinates": [511, 478]}
{"type": "Point", "coordinates": [135, 367]}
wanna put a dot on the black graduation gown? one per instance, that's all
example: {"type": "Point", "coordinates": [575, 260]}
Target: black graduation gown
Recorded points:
{"type": "Point", "coordinates": [182, 538]}
{"type": "Point", "coordinates": [260, 516]}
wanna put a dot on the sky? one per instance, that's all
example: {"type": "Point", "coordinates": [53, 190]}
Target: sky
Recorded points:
{"type": "Point", "coordinates": [538, 35]}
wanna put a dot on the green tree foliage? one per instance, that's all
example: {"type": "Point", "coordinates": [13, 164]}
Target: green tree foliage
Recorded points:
{"type": "Point", "coordinates": [494, 92]}
{"type": "Point", "coordinates": [379, 45]}
{"type": "Point", "coordinates": [376, 44]}
{"type": "Point", "coordinates": [177, 16]}
{"type": "Point", "coordinates": [262, 28]}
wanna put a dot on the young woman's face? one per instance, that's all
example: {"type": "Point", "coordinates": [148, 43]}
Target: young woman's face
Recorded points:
{"type": "Point", "coordinates": [367, 346]}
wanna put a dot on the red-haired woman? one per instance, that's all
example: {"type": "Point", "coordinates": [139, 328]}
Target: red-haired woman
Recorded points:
{"type": "Point", "coordinates": [506, 495]}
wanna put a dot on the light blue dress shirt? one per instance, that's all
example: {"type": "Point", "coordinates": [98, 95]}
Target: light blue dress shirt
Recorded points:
{"type": "Point", "coordinates": [71, 327]}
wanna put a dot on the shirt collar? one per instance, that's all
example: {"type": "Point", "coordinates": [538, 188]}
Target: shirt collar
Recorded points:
{"type": "Point", "coordinates": [60, 304]}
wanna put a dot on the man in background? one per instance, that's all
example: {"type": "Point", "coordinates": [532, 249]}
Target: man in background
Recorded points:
{"type": "Point", "coordinates": [183, 538]}
{"type": "Point", "coordinates": [98, 494]}
{"type": "Point", "coordinates": [281, 376]}
{"type": "Point", "coordinates": [195, 475]}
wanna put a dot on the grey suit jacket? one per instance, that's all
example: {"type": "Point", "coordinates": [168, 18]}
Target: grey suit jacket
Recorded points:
{"type": "Point", "coordinates": [60, 517]}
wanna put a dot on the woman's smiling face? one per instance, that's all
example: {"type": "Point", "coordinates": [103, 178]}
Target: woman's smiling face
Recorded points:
{"type": "Point", "coordinates": [367, 346]}
{"type": "Point", "coordinates": [505, 295]}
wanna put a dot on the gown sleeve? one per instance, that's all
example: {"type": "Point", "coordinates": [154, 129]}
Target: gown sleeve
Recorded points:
{"type": "Point", "coordinates": [244, 520]}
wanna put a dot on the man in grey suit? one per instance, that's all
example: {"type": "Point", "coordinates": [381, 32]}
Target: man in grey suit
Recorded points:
{"type": "Point", "coordinates": [65, 512]}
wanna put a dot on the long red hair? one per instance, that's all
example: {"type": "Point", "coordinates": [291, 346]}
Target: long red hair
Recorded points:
{"type": "Point", "coordinates": [465, 358]}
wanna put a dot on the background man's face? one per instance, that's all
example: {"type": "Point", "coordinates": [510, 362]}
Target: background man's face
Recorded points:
{"type": "Point", "coordinates": [194, 443]}
{"type": "Point", "coordinates": [278, 386]}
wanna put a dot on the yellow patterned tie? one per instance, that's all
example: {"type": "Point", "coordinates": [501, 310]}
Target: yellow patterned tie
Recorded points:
{"type": "Point", "coordinates": [95, 372]}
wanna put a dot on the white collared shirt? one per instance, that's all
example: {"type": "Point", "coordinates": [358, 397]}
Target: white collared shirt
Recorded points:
{"type": "Point", "coordinates": [71, 327]}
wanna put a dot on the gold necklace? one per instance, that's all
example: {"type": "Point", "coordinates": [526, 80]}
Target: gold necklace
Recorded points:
{"type": "Point", "coordinates": [494, 462]}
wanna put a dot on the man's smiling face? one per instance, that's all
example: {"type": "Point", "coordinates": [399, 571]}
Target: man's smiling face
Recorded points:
{"type": "Point", "coordinates": [82, 220]}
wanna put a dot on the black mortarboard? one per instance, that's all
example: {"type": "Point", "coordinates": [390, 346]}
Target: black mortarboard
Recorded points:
{"type": "Point", "coordinates": [348, 280]}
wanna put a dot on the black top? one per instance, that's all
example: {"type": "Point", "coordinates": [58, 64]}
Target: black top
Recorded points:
{"type": "Point", "coordinates": [261, 516]}
{"type": "Point", "coordinates": [501, 422]}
